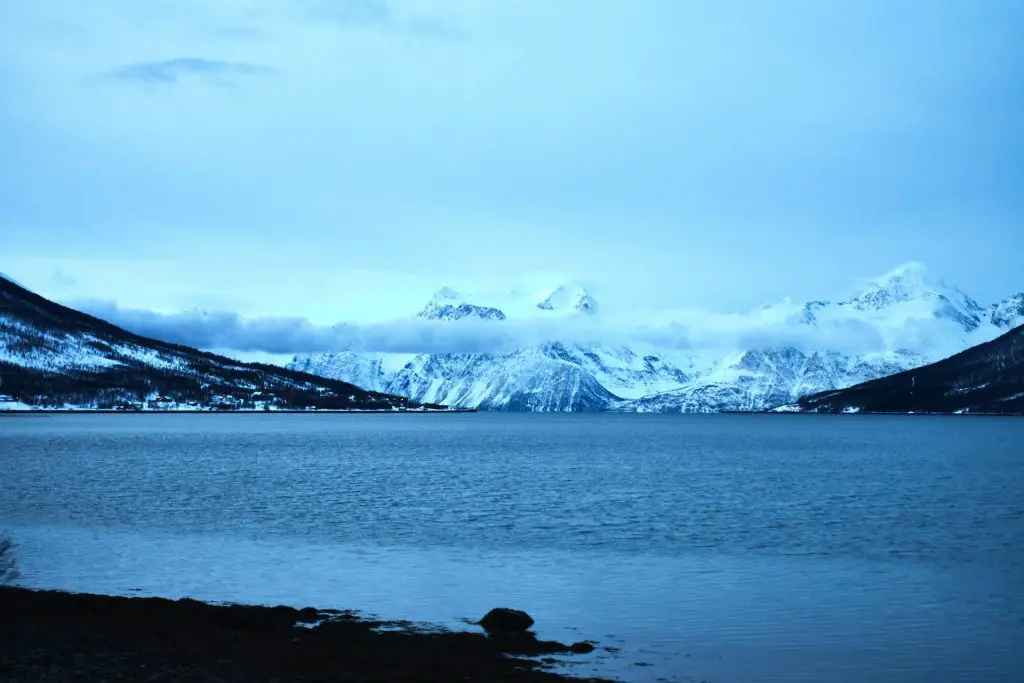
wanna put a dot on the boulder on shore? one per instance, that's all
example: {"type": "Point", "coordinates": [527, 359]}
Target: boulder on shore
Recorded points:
{"type": "Point", "coordinates": [505, 620]}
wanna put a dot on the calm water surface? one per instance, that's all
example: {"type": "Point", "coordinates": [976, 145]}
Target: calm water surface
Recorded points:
{"type": "Point", "coordinates": [721, 548]}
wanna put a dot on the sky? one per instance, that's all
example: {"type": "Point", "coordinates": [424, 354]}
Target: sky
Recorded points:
{"type": "Point", "coordinates": [339, 160]}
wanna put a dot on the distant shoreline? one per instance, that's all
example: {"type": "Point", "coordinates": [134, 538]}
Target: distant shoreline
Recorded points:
{"type": "Point", "coordinates": [85, 411]}
{"type": "Point", "coordinates": [91, 411]}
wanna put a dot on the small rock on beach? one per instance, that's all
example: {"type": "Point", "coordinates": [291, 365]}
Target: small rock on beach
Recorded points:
{"type": "Point", "coordinates": [505, 620]}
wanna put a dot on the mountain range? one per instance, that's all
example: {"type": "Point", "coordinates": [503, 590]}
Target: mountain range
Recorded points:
{"type": "Point", "coordinates": [792, 354]}
{"type": "Point", "coordinates": [771, 356]}
{"type": "Point", "coordinates": [52, 356]}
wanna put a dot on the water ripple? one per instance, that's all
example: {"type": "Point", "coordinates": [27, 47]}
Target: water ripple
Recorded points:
{"type": "Point", "coordinates": [730, 548]}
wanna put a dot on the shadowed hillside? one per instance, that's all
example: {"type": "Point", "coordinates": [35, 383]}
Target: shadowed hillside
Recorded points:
{"type": "Point", "coordinates": [51, 356]}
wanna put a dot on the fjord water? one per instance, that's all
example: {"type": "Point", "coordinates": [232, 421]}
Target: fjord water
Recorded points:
{"type": "Point", "coordinates": [727, 548]}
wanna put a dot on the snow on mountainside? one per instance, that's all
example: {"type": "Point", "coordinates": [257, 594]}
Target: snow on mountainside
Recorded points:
{"type": "Point", "coordinates": [55, 357]}
{"type": "Point", "coordinates": [760, 379]}
{"type": "Point", "coordinates": [897, 321]}
{"type": "Point", "coordinates": [365, 371]}
{"type": "Point", "coordinates": [531, 379]}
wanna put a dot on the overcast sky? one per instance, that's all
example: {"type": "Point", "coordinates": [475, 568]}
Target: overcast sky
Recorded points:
{"type": "Point", "coordinates": [328, 158]}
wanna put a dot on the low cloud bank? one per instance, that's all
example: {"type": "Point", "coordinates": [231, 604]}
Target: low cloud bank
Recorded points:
{"type": "Point", "coordinates": [694, 331]}
{"type": "Point", "coordinates": [224, 330]}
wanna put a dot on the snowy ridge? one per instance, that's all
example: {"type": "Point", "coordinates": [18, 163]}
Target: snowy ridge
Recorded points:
{"type": "Point", "coordinates": [897, 321]}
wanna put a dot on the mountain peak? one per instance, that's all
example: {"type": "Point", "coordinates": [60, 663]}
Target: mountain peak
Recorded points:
{"type": "Point", "coordinates": [447, 305]}
{"type": "Point", "coordinates": [569, 297]}
{"type": "Point", "coordinates": [903, 283]}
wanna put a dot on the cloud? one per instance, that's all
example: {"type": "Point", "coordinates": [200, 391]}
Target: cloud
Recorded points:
{"type": "Point", "coordinates": [170, 71]}
{"type": "Point", "coordinates": [692, 331]}
{"type": "Point", "coordinates": [224, 330]}
{"type": "Point", "coordinates": [702, 330]}
{"type": "Point", "coordinates": [839, 335]}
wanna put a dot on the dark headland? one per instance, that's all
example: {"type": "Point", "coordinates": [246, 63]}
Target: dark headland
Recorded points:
{"type": "Point", "coordinates": [987, 379]}
{"type": "Point", "coordinates": [54, 636]}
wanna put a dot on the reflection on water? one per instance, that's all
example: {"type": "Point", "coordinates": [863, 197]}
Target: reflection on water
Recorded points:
{"type": "Point", "coordinates": [720, 548]}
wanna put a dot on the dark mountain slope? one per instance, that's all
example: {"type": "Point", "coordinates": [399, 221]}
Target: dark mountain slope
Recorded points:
{"type": "Point", "coordinates": [988, 378]}
{"type": "Point", "coordinates": [51, 355]}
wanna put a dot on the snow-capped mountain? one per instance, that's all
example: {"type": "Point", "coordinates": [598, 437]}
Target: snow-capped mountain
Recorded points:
{"type": "Point", "coordinates": [546, 376]}
{"type": "Point", "coordinates": [905, 293]}
{"type": "Point", "coordinates": [771, 356]}
{"type": "Point", "coordinates": [907, 284]}
{"type": "Point", "coordinates": [56, 357]}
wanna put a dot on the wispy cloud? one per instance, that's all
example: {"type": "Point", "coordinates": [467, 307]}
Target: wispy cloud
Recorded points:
{"type": "Point", "coordinates": [286, 335]}
{"type": "Point", "coordinates": [170, 71]}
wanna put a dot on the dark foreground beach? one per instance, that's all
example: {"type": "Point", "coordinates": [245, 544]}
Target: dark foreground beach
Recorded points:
{"type": "Point", "coordinates": [53, 636]}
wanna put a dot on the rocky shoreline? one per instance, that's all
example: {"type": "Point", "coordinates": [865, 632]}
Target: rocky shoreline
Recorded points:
{"type": "Point", "coordinates": [54, 636]}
